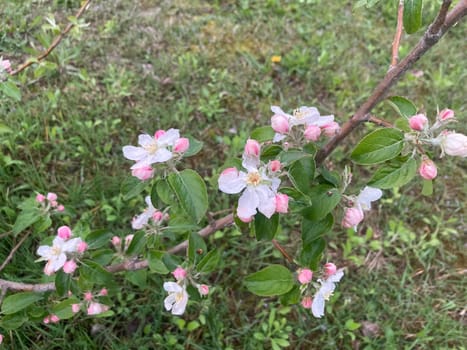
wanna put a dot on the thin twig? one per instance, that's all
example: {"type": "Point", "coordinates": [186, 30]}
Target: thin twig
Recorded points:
{"type": "Point", "coordinates": [13, 251]}
{"type": "Point", "coordinates": [397, 36]}
{"type": "Point", "coordinates": [54, 44]}
{"type": "Point", "coordinates": [282, 250]}
{"type": "Point", "coordinates": [380, 122]}
{"type": "Point", "coordinates": [441, 18]}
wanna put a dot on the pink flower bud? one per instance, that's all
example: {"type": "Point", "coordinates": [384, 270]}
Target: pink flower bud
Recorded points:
{"type": "Point", "coordinates": [116, 242]}
{"type": "Point", "coordinates": [60, 208]}
{"type": "Point", "coordinates": [454, 144]}
{"type": "Point", "coordinates": [40, 198]}
{"type": "Point", "coordinates": [64, 232]}
{"type": "Point", "coordinates": [5, 65]}
{"type": "Point", "coordinates": [159, 133]}
{"type": "Point", "coordinates": [246, 220]}
{"type": "Point", "coordinates": [274, 165]}
{"type": "Point", "coordinates": [54, 318]}
{"type": "Point", "coordinates": [143, 173]}
{"type": "Point", "coordinates": [329, 269]}
{"type": "Point", "coordinates": [75, 308]}
{"type": "Point", "coordinates": [330, 129]}
{"type": "Point", "coordinates": [203, 289]}
{"type": "Point", "coordinates": [70, 266]}
{"type": "Point", "coordinates": [306, 302]}
{"type": "Point", "coordinates": [179, 273]}
{"type": "Point", "coordinates": [128, 240]}
{"type": "Point", "coordinates": [88, 296]}
{"type": "Point", "coordinates": [51, 196]}
{"type": "Point", "coordinates": [181, 145]}
{"type": "Point", "coordinates": [46, 319]}
{"type": "Point", "coordinates": [96, 308]}
{"type": "Point", "coordinates": [282, 203]}
{"type": "Point", "coordinates": [280, 124]}
{"type": "Point", "coordinates": [446, 114]}
{"type": "Point", "coordinates": [1, 338]}
{"type": "Point", "coordinates": [428, 169]}
{"type": "Point", "coordinates": [48, 269]}
{"type": "Point", "coordinates": [305, 276]}
{"type": "Point", "coordinates": [53, 204]}
{"type": "Point", "coordinates": [82, 246]}
{"type": "Point", "coordinates": [157, 216]}
{"type": "Point", "coordinates": [418, 122]}
{"type": "Point", "coordinates": [352, 217]}
{"type": "Point", "coordinates": [103, 292]}
{"type": "Point", "coordinates": [312, 133]}
{"type": "Point", "coordinates": [252, 148]}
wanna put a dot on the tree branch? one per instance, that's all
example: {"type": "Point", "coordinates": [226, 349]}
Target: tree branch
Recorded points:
{"type": "Point", "coordinates": [54, 44]}
{"type": "Point", "coordinates": [428, 40]}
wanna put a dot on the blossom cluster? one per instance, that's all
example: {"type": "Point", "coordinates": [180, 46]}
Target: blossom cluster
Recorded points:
{"type": "Point", "coordinates": [90, 304]}
{"type": "Point", "coordinates": [62, 253]}
{"type": "Point", "coordinates": [49, 201]}
{"type": "Point", "coordinates": [325, 286]}
{"type": "Point", "coordinates": [149, 217]}
{"type": "Point", "coordinates": [161, 147]}
{"type": "Point", "coordinates": [5, 66]}
{"type": "Point", "coordinates": [361, 203]}
{"type": "Point", "coordinates": [259, 183]}
{"type": "Point", "coordinates": [311, 122]}
{"type": "Point", "coordinates": [450, 142]}
{"type": "Point", "coordinates": [177, 299]}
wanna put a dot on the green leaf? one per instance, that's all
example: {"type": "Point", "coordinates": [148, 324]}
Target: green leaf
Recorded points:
{"type": "Point", "coordinates": [396, 173]}
{"type": "Point", "coordinates": [331, 177]}
{"type": "Point", "coordinates": [351, 325]}
{"type": "Point", "coordinates": [155, 262]}
{"type": "Point", "coordinates": [427, 189]}
{"type": "Point", "coordinates": [14, 321]}
{"type": "Point", "coordinates": [42, 224]}
{"type": "Point", "coordinates": [324, 199]}
{"type": "Point", "coordinates": [196, 247]}
{"type": "Point", "coordinates": [171, 261]}
{"type": "Point", "coordinates": [132, 187]}
{"type": "Point", "coordinates": [404, 107]}
{"type": "Point", "coordinates": [270, 152]}
{"type": "Point", "coordinates": [161, 191]}
{"type": "Point", "coordinates": [5, 129]}
{"type": "Point", "coordinates": [378, 146]}
{"type": "Point", "coordinates": [11, 90]}
{"type": "Point", "coordinates": [312, 230]}
{"type": "Point", "coordinates": [191, 193]}
{"type": "Point", "coordinates": [26, 219]}
{"type": "Point", "coordinates": [302, 173]}
{"type": "Point", "coordinates": [19, 301]}
{"type": "Point", "coordinates": [139, 278]}
{"type": "Point", "coordinates": [266, 229]}
{"type": "Point", "coordinates": [209, 262]}
{"type": "Point", "coordinates": [98, 238]}
{"type": "Point", "coordinates": [137, 243]}
{"type": "Point", "coordinates": [272, 280]}
{"type": "Point", "coordinates": [292, 297]}
{"type": "Point", "coordinates": [195, 147]}
{"type": "Point", "coordinates": [291, 156]}
{"type": "Point", "coordinates": [412, 17]}
{"type": "Point", "coordinates": [62, 282]}
{"type": "Point", "coordinates": [63, 309]}
{"type": "Point", "coordinates": [262, 134]}
{"type": "Point", "coordinates": [310, 255]}
{"type": "Point", "coordinates": [93, 273]}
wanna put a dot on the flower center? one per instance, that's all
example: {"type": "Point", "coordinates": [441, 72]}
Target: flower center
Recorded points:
{"type": "Point", "coordinates": [178, 297]}
{"type": "Point", "coordinates": [298, 113]}
{"type": "Point", "coordinates": [151, 148]}
{"type": "Point", "coordinates": [253, 179]}
{"type": "Point", "coordinates": [327, 295]}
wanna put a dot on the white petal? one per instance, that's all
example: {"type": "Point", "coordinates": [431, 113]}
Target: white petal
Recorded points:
{"type": "Point", "coordinates": [250, 163]}
{"type": "Point", "coordinates": [58, 262]}
{"type": "Point", "coordinates": [324, 120]}
{"type": "Point", "coordinates": [232, 182]}
{"type": "Point", "coordinates": [277, 110]}
{"type": "Point", "coordinates": [71, 245]}
{"type": "Point", "coordinates": [278, 137]}
{"type": "Point", "coordinates": [45, 251]}
{"type": "Point", "coordinates": [172, 287]}
{"type": "Point", "coordinates": [247, 203]}
{"type": "Point", "coordinates": [140, 221]}
{"type": "Point", "coordinates": [317, 306]}
{"type": "Point", "coordinates": [146, 140]}
{"type": "Point", "coordinates": [147, 199]}
{"type": "Point", "coordinates": [134, 153]}
{"type": "Point", "coordinates": [267, 203]}
{"type": "Point", "coordinates": [162, 155]}
{"type": "Point", "coordinates": [58, 242]}
{"type": "Point", "coordinates": [179, 307]}
{"type": "Point", "coordinates": [368, 195]}
{"type": "Point", "coordinates": [275, 182]}
{"type": "Point", "coordinates": [169, 138]}
{"type": "Point", "coordinates": [170, 301]}
{"type": "Point", "coordinates": [336, 277]}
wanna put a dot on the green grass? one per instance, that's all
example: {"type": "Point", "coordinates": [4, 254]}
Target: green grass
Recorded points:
{"type": "Point", "coordinates": [204, 67]}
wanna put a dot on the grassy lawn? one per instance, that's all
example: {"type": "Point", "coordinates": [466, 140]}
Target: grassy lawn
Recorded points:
{"type": "Point", "coordinates": [205, 68]}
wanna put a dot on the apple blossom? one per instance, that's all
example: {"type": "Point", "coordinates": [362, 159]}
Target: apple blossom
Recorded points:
{"type": "Point", "coordinates": [64, 232]}
{"type": "Point", "coordinates": [1, 338]}
{"type": "Point", "coordinates": [252, 148]}
{"type": "Point", "coordinates": [181, 145]}
{"type": "Point", "coordinates": [259, 188]}
{"type": "Point", "coordinates": [418, 122]}
{"type": "Point", "coordinates": [452, 143]}
{"type": "Point", "coordinates": [177, 299]}
{"type": "Point", "coordinates": [96, 308]}
{"type": "Point", "coordinates": [304, 276]}
{"type": "Point", "coordinates": [128, 239]}
{"type": "Point", "coordinates": [88, 296]}
{"type": "Point", "coordinates": [330, 129]}
{"type": "Point", "coordinates": [54, 318]}
{"type": "Point", "coordinates": [82, 247]}
{"type": "Point", "coordinates": [5, 65]}
{"type": "Point", "coordinates": [103, 292]}
{"type": "Point", "coordinates": [280, 124]}
{"type": "Point", "coordinates": [116, 242]}
{"type": "Point", "coordinates": [142, 220]}
{"type": "Point", "coordinates": [306, 302]}
{"type": "Point", "coordinates": [60, 207]}
{"type": "Point", "coordinates": [153, 149]}
{"type": "Point", "coordinates": [445, 114]}
{"type": "Point", "coordinates": [179, 273]}
{"type": "Point", "coordinates": [328, 286]}
{"type": "Point", "coordinates": [40, 198]}
{"type": "Point", "coordinates": [428, 169]}
{"type": "Point", "coordinates": [70, 266]}
{"type": "Point", "coordinates": [57, 254]}
{"type": "Point", "coordinates": [143, 173]}
{"type": "Point", "coordinates": [329, 269]}
{"type": "Point", "coordinates": [282, 203]}
{"type": "Point", "coordinates": [274, 165]}
{"type": "Point", "coordinates": [75, 308]}
{"type": "Point", "coordinates": [312, 133]}
{"type": "Point", "coordinates": [51, 196]}
{"type": "Point", "coordinates": [352, 217]}
{"type": "Point", "coordinates": [203, 289]}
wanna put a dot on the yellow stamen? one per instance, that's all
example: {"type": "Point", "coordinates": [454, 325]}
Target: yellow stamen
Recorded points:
{"type": "Point", "coordinates": [253, 179]}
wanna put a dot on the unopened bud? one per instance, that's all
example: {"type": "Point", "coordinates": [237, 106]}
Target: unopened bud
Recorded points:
{"type": "Point", "coordinates": [69, 266]}
{"type": "Point", "coordinates": [282, 203]}
{"type": "Point", "coordinates": [352, 217]}
{"type": "Point", "coordinates": [428, 169]}
{"type": "Point", "coordinates": [280, 124]}
{"type": "Point", "coordinates": [252, 148]}
{"type": "Point", "coordinates": [274, 165]}
{"type": "Point", "coordinates": [181, 145]}
{"type": "Point", "coordinates": [306, 302]}
{"type": "Point", "coordinates": [329, 269]}
{"type": "Point", "coordinates": [179, 273]}
{"type": "Point", "coordinates": [64, 232]}
{"type": "Point", "coordinates": [304, 276]}
{"type": "Point", "coordinates": [418, 122]}
{"type": "Point", "coordinates": [312, 133]}
{"type": "Point", "coordinates": [143, 173]}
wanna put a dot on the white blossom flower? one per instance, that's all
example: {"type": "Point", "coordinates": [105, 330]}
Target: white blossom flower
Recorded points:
{"type": "Point", "coordinates": [368, 195]}
{"type": "Point", "coordinates": [154, 149]}
{"type": "Point", "coordinates": [56, 255]}
{"type": "Point", "coordinates": [142, 220]}
{"type": "Point", "coordinates": [259, 187]}
{"type": "Point", "coordinates": [325, 292]}
{"type": "Point", "coordinates": [177, 299]}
